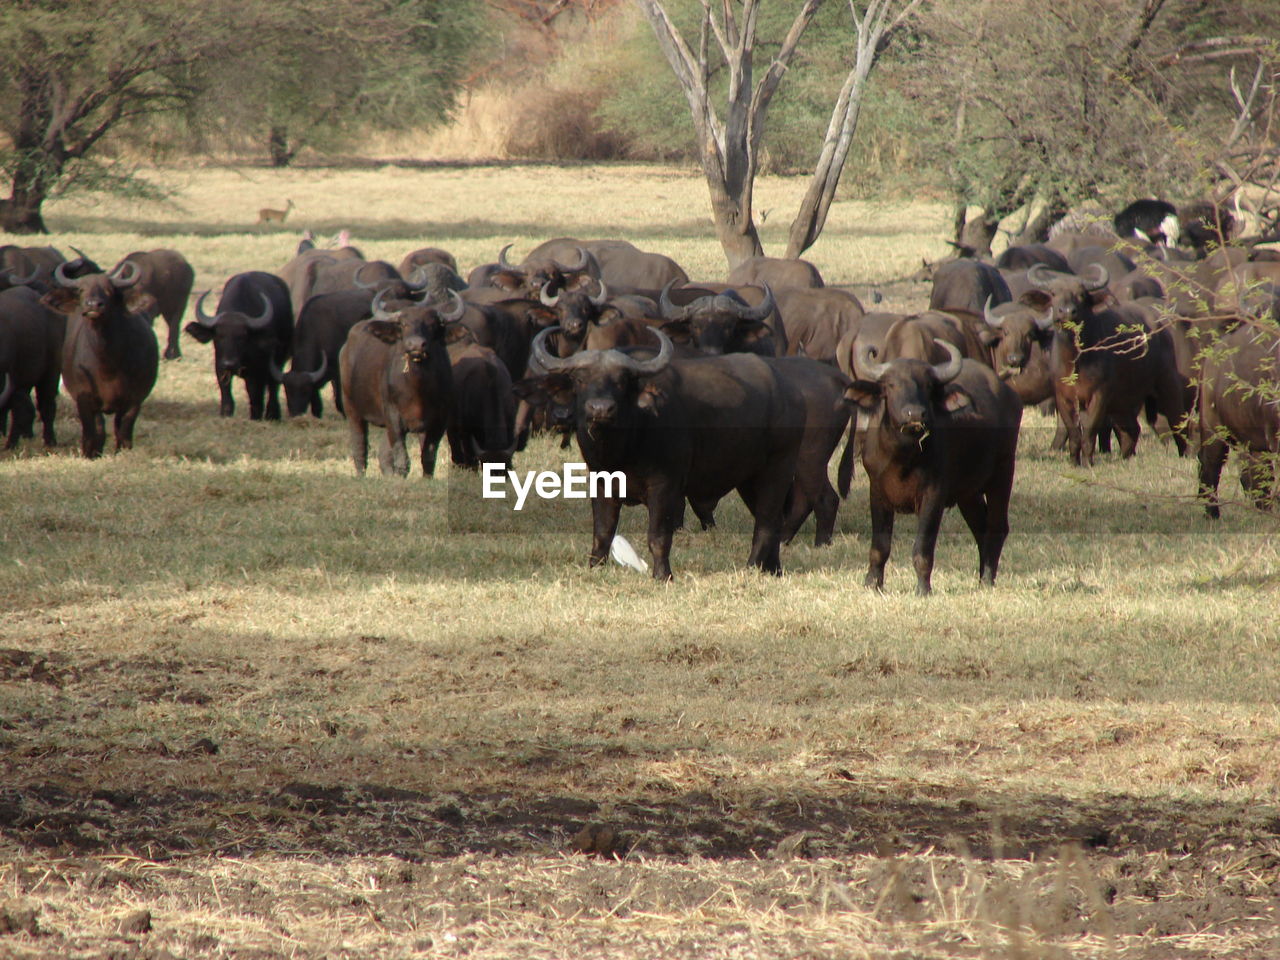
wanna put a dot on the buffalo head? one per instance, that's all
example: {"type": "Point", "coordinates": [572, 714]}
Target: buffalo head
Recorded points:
{"type": "Point", "coordinates": [909, 394]}
{"type": "Point", "coordinates": [237, 337]}
{"type": "Point", "coordinates": [720, 323]}
{"type": "Point", "coordinates": [1013, 329]}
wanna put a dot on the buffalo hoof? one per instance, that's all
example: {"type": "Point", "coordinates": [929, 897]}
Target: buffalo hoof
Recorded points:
{"type": "Point", "coordinates": [172, 353]}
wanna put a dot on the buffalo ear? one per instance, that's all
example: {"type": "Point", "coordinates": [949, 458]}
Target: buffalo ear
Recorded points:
{"type": "Point", "coordinates": [955, 398]}
{"type": "Point", "coordinates": [651, 398]}
{"type": "Point", "coordinates": [139, 301]}
{"type": "Point", "coordinates": [532, 390]}
{"type": "Point", "coordinates": [199, 331]}
{"type": "Point", "coordinates": [543, 316]}
{"type": "Point", "coordinates": [989, 337]}
{"type": "Point", "coordinates": [506, 280]}
{"type": "Point", "coordinates": [678, 330]}
{"type": "Point", "coordinates": [388, 331]}
{"type": "Point", "coordinates": [1037, 299]}
{"type": "Point", "coordinates": [62, 299]}
{"type": "Point", "coordinates": [863, 393]}
{"type": "Point", "coordinates": [455, 330]}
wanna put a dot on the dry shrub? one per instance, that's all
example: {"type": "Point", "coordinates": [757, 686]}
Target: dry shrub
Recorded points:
{"type": "Point", "coordinates": [560, 123]}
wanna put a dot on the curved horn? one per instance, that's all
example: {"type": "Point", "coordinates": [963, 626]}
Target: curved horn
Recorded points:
{"type": "Point", "coordinates": [991, 318]}
{"type": "Point", "coordinates": [1039, 275]}
{"type": "Point", "coordinates": [355, 278]}
{"type": "Point", "coordinates": [865, 364]}
{"type": "Point", "coordinates": [22, 281]}
{"type": "Point", "coordinates": [126, 275]}
{"type": "Point", "coordinates": [456, 311]}
{"type": "Point", "coordinates": [762, 311]}
{"type": "Point", "coordinates": [669, 310]}
{"type": "Point", "coordinates": [7, 392]}
{"type": "Point", "coordinates": [263, 320]}
{"type": "Point", "coordinates": [502, 257]}
{"type": "Point", "coordinates": [1045, 322]}
{"type": "Point", "coordinates": [546, 298]}
{"type": "Point", "coordinates": [600, 298]}
{"type": "Point", "coordinates": [657, 363]}
{"type": "Point", "coordinates": [1100, 275]}
{"type": "Point", "coordinates": [417, 281]}
{"type": "Point", "coordinates": [583, 262]}
{"type": "Point", "coordinates": [60, 272]}
{"type": "Point", "coordinates": [79, 253]}
{"type": "Point", "coordinates": [379, 313]}
{"type": "Point", "coordinates": [553, 364]}
{"type": "Point", "coordinates": [204, 318]}
{"type": "Point", "coordinates": [318, 375]}
{"type": "Point", "coordinates": [946, 372]}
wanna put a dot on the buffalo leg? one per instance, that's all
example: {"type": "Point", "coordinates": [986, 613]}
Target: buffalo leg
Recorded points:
{"type": "Point", "coordinates": [125, 419]}
{"type": "Point", "coordinates": [272, 390]}
{"type": "Point", "coordinates": [1087, 427]}
{"type": "Point", "coordinates": [93, 428]}
{"type": "Point", "coordinates": [428, 451]}
{"type": "Point", "coordinates": [1213, 455]}
{"type": "Point", "coordinates": [172, 350]}
{"type": "Point", "coordinates": [358, 442]}
{"type": "Point", "coordinates": [665, 504]}
{"type": "Point", "coordinates": [47, 403]}
{"type": "Point", "coordinates": [1069, 419]}
{"type": "Point", "coordinates": [797, 510]}
{"type": "Point", "coordinates": [922, 551]}
{"type": "Point", "coordinates": [974, 511]}
{"type": "Point", "coordinates": [881, 542]}
{"type": "Point", "coordinates": [393, 458]}
{"type": "Point", "coordinates": [337, 397]}
{"type": "Point", "coordinates": [998, 494]}
{"type": "Point", "coordinates": [704, 510]}
{"type": "Point", "coordinates": [604, 524]}
{"type": "Point", "coordinates": [254, 389]}
{"type": "Point", "coordinates": [227, 404]}
{"type": "Point", "coordinates": [23, 418]}
{"type": "Point", "coordinates": [317, 405]}
{"type": "Point", "coordinates": [765, 497]}
{"type": "Point", "coordinates": [1129, 429]}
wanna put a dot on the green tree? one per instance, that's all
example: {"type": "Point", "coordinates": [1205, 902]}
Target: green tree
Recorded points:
{"type": "Point", "coordinates": [326, 70]}
{"type": "Point", "coordinates": [74, 71]}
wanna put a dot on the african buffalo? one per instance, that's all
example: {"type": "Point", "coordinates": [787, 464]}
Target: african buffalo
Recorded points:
{"type": "Point", "coordinates": [533, 275]}
{"type": "Point", "coordinates": [1108, 363]}
{"type": "Point", "coordinates": [939, 435]}
{"type": "Point", "coordinates": [321, 331]}
{"type": "Point", "coordinates": [674, 428]}
{"type": "Point", "coordinates": [395, 374]}
{"type": "Point", "coordinates": [309, 262]}
{"type": "Point", "coordinates": [482, 429]}
{"type": "Point", "coordinates": [166, 275]}
{"type": "Point", "coordinates": [775, 272]}
{"type": "Point", "coordinates": [622, 265]}
{"type": "Point", "coordinates": [424, 256]}
{"type": "Point", "coordinates": [1028, 255]}
{"type": "Point", "coordinates": [816, 318]}
{"type": "Point", "coordinates": [110, 357]}
{"type": "Point", "coordinates": [720, 323]}
{"type": "Point", "coordinates": [252, 334]}
{"type": "Point", "coordinates": [966, 285]}
{"type": "Point", "coordinates": [31, 341]}
{"type": "Point", "coordinates": [1238, 408]}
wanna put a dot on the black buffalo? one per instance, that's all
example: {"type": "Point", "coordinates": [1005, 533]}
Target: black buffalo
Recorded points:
{"type": "Point", "coordinates": [482, 429]}
{"type": "Point", "coordinates": [720, 323]}
{"type": "Point", "coordinates": [252, 334]}
{"type": "Point", "coordinates": [966, 285]}
{"type": "Point", "coordinates": [31, 341]}
{"type": "Point", "coordinates": [938, 436]}
{"type": "Point", "coordinates": [166, 275]}
{"type": "Point", "coordinates": [322, 329]}
{"type": "Point", "coordinates": [110, 357]}
{"type": "Point", "coordinates": [396, 375]}
{"type": "Point", "coordinates": [674, 428]}
{"type": "Point", "coordinates": [622, 265]}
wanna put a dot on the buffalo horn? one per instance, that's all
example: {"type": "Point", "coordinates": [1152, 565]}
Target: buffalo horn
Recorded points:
{"type": "Point", "coordinates": [1040, 275]}
{"type": "Point", "coordinates": [262, 320]}
{"type": "Point", "coordinates": [318, 375]}
{"type": "Point", "coordinates": [204, 319]}
{"type": "Point", "coordinates": [658, 362]}
{"type": "Point", "coordinates": [1096, 277]}
{"type": "Point", "coordinates": [991, 318]}
{"type": "Point", "coordinates": [60, 272]}
{"type": "Point", "coordinates": [946, 372]}
{"type": "Point", "coordinates": [126, 275]}
{"type": "Point", "coordinates": [547, 299]}
{"type": "Point", "coordinates": [586, 358]}
{"type": "Point", "coordinates": [456, 311]}
{"type": "Point", "coordinates": [762, 311]}
{"type": "Point", "coordinates": [379, 313]}
{"type": "Point", "coordinates": [355, 278]}
{"type": "Point", "coordinates": [22, 281]}
{"type": "Point", "coordinates": [7, 391]}
{"type": "Point", "coordinates": [502, 257]}
{"type": "Point", "coordinates": [553, 364]}
{"type": "Point", "coordinates": [418, 280]}
{"type": "Point", "coordinates": [669, 310]}
{"type": "Point", "coordinates": [582, 264]}
{"type": "Point", "coordinates": [600, 298]}
{"type": "Point", "coordinates": [865, 363]}
{"type": "Point", "coordinates": [1046, 321]}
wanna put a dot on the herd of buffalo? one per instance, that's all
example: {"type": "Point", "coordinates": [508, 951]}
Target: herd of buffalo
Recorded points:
{"type": "Point", "coordinates": [695, 389]}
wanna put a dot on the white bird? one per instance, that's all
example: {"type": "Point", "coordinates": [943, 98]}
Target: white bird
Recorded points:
{"type": "Point", "coordinates": [625, 554]}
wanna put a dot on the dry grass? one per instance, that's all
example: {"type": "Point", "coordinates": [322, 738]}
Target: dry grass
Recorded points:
{"type": "Point", "coordinates": [417, 705]}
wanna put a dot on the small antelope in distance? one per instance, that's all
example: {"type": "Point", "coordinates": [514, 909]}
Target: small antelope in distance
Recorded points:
{"type": "Point", "coordinates": [266, 214]}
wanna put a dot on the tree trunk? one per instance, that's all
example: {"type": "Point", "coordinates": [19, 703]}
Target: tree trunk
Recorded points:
{"type": "Point", "coordinates": [278, 147]}
{"type": "Point", "coordinates": [20, 212]}
{"type": "Point", "coordinates": [1037, 228]}
{"type": "Point", "coordinates": [974, 234]}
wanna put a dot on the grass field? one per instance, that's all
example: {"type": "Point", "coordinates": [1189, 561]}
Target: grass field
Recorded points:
{"type": "Point", "coordinates": [290, 712]}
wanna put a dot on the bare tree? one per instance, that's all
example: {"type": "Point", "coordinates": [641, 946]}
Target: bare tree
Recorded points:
{"type": "Point", "coordinates": [729, 148]}
{"type": "Point", "coordinates": [874, 27]}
